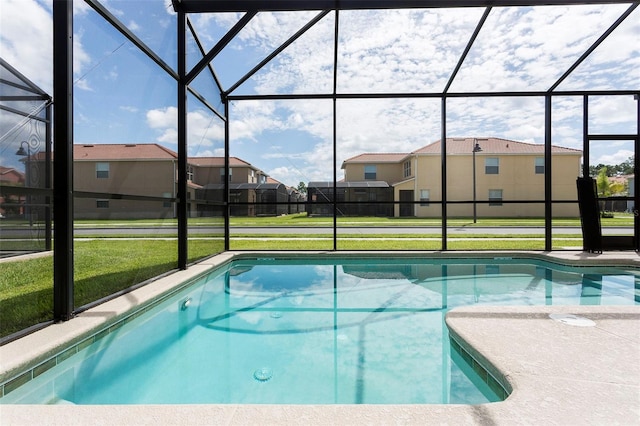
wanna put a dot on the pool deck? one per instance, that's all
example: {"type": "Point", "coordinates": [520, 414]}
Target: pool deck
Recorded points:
{"type": "Point", "coordinates": [560, 373]}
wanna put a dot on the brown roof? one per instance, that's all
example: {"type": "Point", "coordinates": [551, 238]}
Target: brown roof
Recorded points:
{"type": "Point", "coordinates": [9, 174]}
{"type": "Point", "coordinates": [217, 162]}
{"type": "Point", "coordinates": [5, 170]}
{"type": "Point", "coordinates": [143, 151]}
{"type": "Point", "coordinates": [492, 146]}
{"type": "Point", "coordinates": [377, 157]}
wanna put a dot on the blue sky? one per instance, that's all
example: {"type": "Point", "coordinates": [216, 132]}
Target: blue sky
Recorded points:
{"type": "Point", "coordinates": [123, 97]}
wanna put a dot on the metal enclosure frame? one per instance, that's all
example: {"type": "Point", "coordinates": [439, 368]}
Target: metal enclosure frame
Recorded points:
{"type": "Point", "coordinates": [63, 90]}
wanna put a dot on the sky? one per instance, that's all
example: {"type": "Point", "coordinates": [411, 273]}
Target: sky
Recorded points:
{"type": "Point", "coordinates": [121, 96]}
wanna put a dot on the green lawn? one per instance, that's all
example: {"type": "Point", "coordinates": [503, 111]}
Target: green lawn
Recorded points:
{"type": "Point", "coordinates": [101, 268]}
{"type": "Point", "coordinates": [104, 265]}
{"type": "Point", "coordinates": [301, 219]}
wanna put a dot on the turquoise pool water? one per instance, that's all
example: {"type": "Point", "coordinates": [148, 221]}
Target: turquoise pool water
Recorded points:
{"type": "Point", "coordinates": [315, 331]}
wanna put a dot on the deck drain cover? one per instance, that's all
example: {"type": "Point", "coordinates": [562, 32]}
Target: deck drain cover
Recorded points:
{"type": "Point", "coordinates": [263, 374]}
{"type": "Point", "coordinates": [571, 319]}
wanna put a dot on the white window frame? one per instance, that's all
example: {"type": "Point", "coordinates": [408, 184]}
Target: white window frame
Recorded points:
{"type": "Point", "coordinates": [495, 197]}
{"type": "Point", "coordinates": [369, 170]}
{"type": "Point", "coordinates": [425, 197]}
{"type": "Point", "coordinates": [492, 166]}
{"type": "Point", "coordinates": [407, 168]}
{"type": "Point", "coordinates": [102, 170]}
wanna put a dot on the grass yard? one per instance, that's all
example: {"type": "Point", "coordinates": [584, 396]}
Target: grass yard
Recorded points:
{"type": "Point", "coordinates": [101, 268]}
{"type": "Point", "coordinates": [105, 264]}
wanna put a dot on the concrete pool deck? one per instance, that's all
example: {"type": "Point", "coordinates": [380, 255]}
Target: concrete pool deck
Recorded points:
{"type": "Point", "coordinates": [559, 373]}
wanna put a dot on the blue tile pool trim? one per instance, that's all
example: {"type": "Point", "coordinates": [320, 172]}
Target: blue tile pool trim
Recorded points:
{"type": "Point", "coordinates": [43, 366]}
{"type": "Point", "coordinates": [493, 383]}
{"type": "Point", "coordinates": [40, 368]}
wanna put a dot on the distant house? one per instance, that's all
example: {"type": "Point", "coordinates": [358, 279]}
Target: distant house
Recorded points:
{"type": "Point", "coordinates": [359, 198]}
{"type": "Point", "coordinates": [505, 170]}
{"type": "Point", "coordinates": [150, 170]}
{"type": "Point", "coordinates": [126, 170]}
{"type": "Point", "coordinates": [211, 170]}
{"type": "Point", "coordinates": [9, 176]}
{"type": "Point", "coordinates": [246, 199]}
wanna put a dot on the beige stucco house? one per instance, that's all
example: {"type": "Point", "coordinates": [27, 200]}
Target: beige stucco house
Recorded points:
{"type": "Point", "coordinates": [509, 175]}
{"type": "Point", "coordinates": [128, 171]}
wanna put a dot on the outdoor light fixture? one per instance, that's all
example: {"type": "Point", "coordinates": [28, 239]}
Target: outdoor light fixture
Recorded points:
{"type": "Point", "coordinates": [21, 151]}
{"type": "Point", "coordinates": [476, 148]}
{"type": "Point", "coordinates": [26, 152]}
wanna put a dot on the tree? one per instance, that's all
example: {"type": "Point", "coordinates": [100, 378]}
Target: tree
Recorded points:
{"type": "Point", "coordinates": [617, 188]}
{"type": "Point", "coordinates": [302, 188]}
{"type": "Point", "coordinates": [602, 182]}
{"type": "Point", "coordinates": [626, 168]}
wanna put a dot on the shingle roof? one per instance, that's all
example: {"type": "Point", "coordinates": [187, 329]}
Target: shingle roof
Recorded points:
{"type": "Point", "coordinates": [377, 157]}
{"type": "Point", "coordinates": [143, 151]}
{"type": "Point", "coordinates": [218, 162]}
{"type": "Point", "coordinates": [491, 146]}
{"type": "Point", "coordinates": [464, 146]}
{"type": "Point", "coordinates": [5, 170]}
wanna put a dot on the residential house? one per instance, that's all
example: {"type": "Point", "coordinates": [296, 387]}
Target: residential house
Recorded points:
{"type": "Point", "coordinates": [271, 198]}
{"type": "Point", "coordinates": [358, 198]}
{"type": "Point", "coordinates": [9, 176]}
{"type": "Point", "coordinates": [506, 177]}
{"type": "Point", "coordinates": [125, 171]}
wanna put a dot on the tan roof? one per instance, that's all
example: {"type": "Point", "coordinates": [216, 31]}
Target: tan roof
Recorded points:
{"type": "Point", "coordinates": [492, 146]}
{"type": "Point", "coordinates": [143, 151]}
{"type": "Point", "coordinates": [218, 162]}
{"type": "Point", "coordinates": [377, 157]}
{"type": "Point", "coordinates": [5, 170]}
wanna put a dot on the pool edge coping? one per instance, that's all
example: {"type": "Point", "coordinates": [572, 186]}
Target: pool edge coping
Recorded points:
{"type": "Point", "coordinates": [168, 284]}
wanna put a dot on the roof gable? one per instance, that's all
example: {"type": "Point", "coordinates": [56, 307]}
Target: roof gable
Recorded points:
{"type": "Point", "coordinates": [492, 146]}
{"type": "Point", "coordinates": [114, 152]}
{"type": "Point", "coordinates": [376, 157]}
{"type": "Point", "coordinates": [218, 162]}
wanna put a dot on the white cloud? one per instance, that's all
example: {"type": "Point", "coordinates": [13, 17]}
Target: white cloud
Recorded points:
{"type": "Point", "coordinates": [415, 51]}
{"type": "Point", "coordinates": [133, 26]}
{"type": "Point", "coordinates": [613, 159]}
{"type": "Point", "coordinates": [205, 133]}
{"type": "Point", "coordinates": [26, 40]}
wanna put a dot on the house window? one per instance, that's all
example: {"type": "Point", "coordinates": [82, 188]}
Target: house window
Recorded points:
{"type": "Point", "coordinates": [491, 166]}
{"type": "Point", "coordinates": [539, 165]}
{"type": "Point", "coordinates": [495, 197]}
{"type": "Point", "coordinates": [425, 195]}
{"type": "Point", "coordinates": [407, 168]}
{"type": "Point", "coordinates": [166, 203]}
{"type": "Point", "coordinates": [222, 175]}
{"type": "Point", "coordinates": [190, 173]}
{"type": "Point", "coordinates": [370, 172]}
{"type": "Point", "coordinates": [102, 204]}
{"type": "Point", "coordinates": [102, 170]}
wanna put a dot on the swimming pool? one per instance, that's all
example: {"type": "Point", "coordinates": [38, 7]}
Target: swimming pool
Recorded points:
{"type": "Point", "coordinates": [321, 331]}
